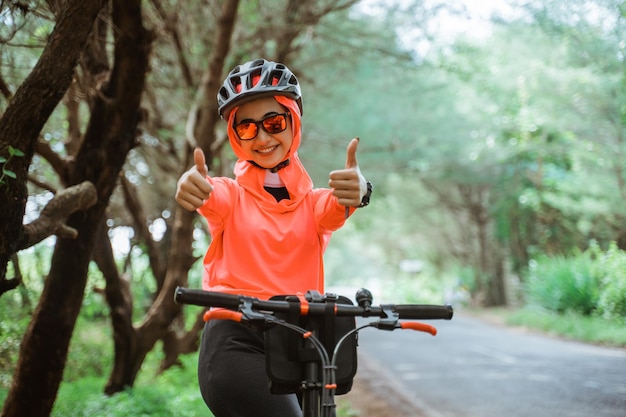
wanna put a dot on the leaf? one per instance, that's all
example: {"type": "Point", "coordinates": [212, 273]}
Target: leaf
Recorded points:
{"type": "Point", "coordinates": [2, 159]}
{"type": "Point", "coordinates": [15, 152]}
{"type": "Point", "coordinates": [9, 174]}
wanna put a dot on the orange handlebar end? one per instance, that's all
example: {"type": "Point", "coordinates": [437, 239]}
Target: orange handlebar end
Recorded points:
{"type": "Point", "coordinates": [222, 314]}
{"type": "Point", "coordinates": [420, 327]}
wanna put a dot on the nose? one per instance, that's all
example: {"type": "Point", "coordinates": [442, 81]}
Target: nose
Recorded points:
{"type": "Point", "coordinates": [262, 136]}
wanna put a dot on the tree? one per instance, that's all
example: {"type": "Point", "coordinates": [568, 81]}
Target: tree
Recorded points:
{"type": "Point", "coordinates": [110, 135]}
{"type": "Point", "coordinates": [90, 155]}
{"type": "Point", "coordinates": [20, 125]}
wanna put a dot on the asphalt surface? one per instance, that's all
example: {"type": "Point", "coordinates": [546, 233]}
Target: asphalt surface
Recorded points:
{"type": "Point", "coordinates": [475, 369]}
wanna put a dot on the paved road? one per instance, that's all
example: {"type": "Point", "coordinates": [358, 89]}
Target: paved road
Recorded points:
{"type": "Point", "coordinates": [474, 369]}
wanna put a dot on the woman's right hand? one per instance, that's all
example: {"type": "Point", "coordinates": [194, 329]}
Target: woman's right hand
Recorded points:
{"type": "Point", "coordinates": [193, 187]}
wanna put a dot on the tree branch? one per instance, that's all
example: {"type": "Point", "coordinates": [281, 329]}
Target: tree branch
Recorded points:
{"type": "Point", "coordinates": [135, 208]}
{"type": "Point", "coordinates": [58, 163]}
{"type": "Point", "coordinates": [53, 216]}
{"type": "Point", "coordinates": [172, 29]}
{"type": "Point", "coordinates": [7, 285]}
{"type": "Point", "coordinates": [4, 89]}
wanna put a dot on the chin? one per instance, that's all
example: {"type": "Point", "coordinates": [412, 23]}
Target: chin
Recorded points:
{"type": "Point", "coordinates": [268, 163]}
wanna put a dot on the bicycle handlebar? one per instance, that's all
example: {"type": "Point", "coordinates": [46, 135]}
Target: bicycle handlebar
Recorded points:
{"type": "Point", "coordinates": [233, 302]}
{"type": "Point", "coordinates": [241, 308]}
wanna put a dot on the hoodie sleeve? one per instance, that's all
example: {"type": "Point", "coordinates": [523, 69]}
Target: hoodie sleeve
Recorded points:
{"type": "Point", "coordinates": [329, 214]}
{"type": "Point", "coordinates": [219, 205]}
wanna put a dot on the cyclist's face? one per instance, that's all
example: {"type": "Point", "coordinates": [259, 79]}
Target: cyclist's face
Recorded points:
{"type": "Point", "coordinates": [267, 150]}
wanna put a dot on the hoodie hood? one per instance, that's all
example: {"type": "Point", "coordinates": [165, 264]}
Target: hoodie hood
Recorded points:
{"type": "Point", "coordinates": [294, 176]}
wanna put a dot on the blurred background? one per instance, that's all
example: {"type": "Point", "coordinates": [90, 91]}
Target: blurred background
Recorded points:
{"type": "Point", "coordinates": [494, 133]}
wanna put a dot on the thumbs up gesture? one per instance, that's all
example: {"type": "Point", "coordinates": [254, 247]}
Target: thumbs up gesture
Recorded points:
{"type": "Point", "coordinates": [193, 187]}
{"type": "Point", "coordinates": [349, 185]}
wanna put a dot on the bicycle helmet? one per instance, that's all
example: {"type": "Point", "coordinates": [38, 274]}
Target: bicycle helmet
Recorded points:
{"type": "Point", "coordinates": [257, 79]}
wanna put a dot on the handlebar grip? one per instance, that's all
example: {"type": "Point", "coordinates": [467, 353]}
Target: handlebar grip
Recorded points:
{"type": "Point", "coordinates": [221, 314]}
{"type": "Point", "coordinates": [420, 327]}
{"type": "Point", "coordinates": [206, 298]}
{"type": "Point", "coordinates": [424, 312]}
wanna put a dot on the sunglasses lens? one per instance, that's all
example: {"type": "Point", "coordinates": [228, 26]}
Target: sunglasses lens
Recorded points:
{"type": "Point", "coordinates": [271, 124]}
{"type": "Point", "coordinates": [246, 131]}
{"type": "Point", "coordinates": [275, 124]}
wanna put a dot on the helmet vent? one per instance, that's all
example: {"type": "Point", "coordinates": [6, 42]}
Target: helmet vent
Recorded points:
{"type": "Point", "coordinates": [235, 83]}
{"type": "Point", "coordinates": [254, 78]}
{"type": "Point", "coordinates": [274, 78]}
{"type": "Point", "coordinates": [258, 63]}
{"type": "Point", "coordinates": [223, 93]}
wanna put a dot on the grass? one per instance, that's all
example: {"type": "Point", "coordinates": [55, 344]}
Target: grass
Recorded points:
{"type": "Point", "coordinates": [569, 325]}
{"type": "Point", "coordinates": [174, 393]}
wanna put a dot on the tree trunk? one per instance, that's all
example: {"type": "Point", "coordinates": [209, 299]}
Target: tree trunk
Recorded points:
{"type": "Point", "coordinates": [496, 288]}
{"type": "Point", "coordinates": [119, 298]}
{"type": "Point", "coordinates": [164, 312]}
{"type": "Point", "coordinates": [110, 135]}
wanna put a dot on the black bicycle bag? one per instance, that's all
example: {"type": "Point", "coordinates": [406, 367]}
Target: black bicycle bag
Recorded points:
{"type": "Point", "coordinates": [287, 352]}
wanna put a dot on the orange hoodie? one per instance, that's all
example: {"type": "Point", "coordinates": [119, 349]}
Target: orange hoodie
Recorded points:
{"type": "Point", "coordinates": [261, 247]}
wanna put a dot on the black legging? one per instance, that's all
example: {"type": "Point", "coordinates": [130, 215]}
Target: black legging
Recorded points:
{"type": "Point", "coordinates": [232, 374]}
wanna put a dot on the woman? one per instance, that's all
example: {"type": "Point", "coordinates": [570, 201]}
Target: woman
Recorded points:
{"type": "Point", "coordinates": [269, 228]}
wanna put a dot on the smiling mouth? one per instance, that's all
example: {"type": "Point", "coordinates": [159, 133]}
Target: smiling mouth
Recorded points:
{"type": "Point", "coordinates": [267, 150]}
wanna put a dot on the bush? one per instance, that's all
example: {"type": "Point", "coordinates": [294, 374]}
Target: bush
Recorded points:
{"type": "Point", "coordinates": [591, 282]}
{"type": "Point", "coordinates": [173, 393]}
{"type": "Point", "coordinates": [91, 350]}
{"type": "Point", "coordinates": [612, 266]}
{"type": "Point", "coordinates": [564, 283]}
{"type": "Point", "coordinates": [15, 317]}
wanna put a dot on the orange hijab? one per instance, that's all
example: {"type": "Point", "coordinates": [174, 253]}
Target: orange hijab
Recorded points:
{"type": "Point", "coordinates": [294, 176]}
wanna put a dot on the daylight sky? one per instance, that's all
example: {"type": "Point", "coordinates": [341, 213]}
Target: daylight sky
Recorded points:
{"type": "Point", "coordinates": [447, 26]}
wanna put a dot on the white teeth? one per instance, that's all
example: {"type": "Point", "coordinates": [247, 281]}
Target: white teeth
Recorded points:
{"type": "Point", "coordinates": [267, 150]}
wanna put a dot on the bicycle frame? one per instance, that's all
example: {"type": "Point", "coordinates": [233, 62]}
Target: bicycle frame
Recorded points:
{"type": "Point", "coordinates": [318, 388]}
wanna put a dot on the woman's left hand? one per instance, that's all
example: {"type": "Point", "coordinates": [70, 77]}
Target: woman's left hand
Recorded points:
{"type": "Point", "coordinates": [349, 185]}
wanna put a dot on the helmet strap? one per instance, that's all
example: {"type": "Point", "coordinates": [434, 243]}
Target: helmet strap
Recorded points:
{"type": "Point", "coordinates": [274, 169]}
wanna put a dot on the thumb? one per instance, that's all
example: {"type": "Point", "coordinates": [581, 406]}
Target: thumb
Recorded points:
{"type": "Point", "coordinates": [199, 160]}
{"type": "Point", "coordinates": [351, 154]}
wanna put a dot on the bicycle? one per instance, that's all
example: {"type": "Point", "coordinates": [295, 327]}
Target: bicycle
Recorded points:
{"type": "Point", "coordinates": [325, 323]}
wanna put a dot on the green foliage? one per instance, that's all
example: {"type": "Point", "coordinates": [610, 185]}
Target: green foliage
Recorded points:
{"type": "Point", "coordinates": [586, 283]}
{"type": "Point", "coordinates": [6, 172]}
{"type": "Point", "coordinates": [15, 317]}
{"type": "Point", "coordinates": [174, 393]}
{"type": "Point", "coordinates": [344, 409]}
{"type": "Point", "coordinates": [562, 283]}
{"type": "Point", "coordinates": [91, 350]}
{"type": "Point", "coordinates": [612, 266]}
{"type": "Point", "coordinates": [589, 329]}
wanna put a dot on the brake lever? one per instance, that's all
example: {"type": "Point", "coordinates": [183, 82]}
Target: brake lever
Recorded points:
{"type": "Point", "coordinates": [250, 315]}
{"type": "Point", "coordinates": [390, 321]}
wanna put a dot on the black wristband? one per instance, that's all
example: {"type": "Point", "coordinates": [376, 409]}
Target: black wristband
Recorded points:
{"type": "Point", "coordinates": [366, 198]}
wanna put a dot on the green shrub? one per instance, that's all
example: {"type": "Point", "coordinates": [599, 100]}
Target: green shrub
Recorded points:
{"type": "Point", "coordinates": [173, 393]}
{"type": "Point", "coordinates": [563, 284]}
{"type": "Point", "coordinates": [15, 318]}
{"type": "Point", "coordinates": [612, 266]}
{"type": "Point", "coordinates": [91, 350]}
